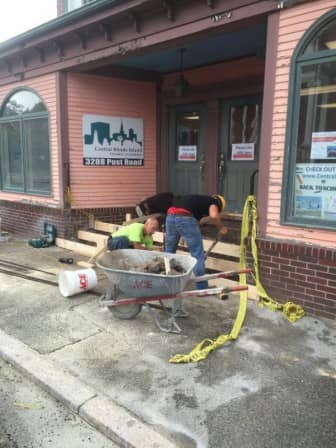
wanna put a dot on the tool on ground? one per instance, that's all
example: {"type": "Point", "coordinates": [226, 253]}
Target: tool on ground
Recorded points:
{"type": "Point", "coordinates": [37, 243]}
{"type": "Point", "coordinates": [66, 260]}
{"type": "Point", "coordinates": [91, 261]}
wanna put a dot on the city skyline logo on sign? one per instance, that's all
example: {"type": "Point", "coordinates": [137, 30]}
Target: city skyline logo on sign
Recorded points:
{"type": "Point", "coordinates": [112, 141]}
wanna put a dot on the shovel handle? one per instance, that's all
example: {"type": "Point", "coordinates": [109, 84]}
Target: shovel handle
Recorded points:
{"type": "Point", "coordinates": [226, 274]}
{"type": "Point", "coordinates": [99, 252]}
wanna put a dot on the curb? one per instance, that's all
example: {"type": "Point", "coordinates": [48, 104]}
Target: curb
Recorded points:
{"type": "Point", "coordinates": [103, 414]}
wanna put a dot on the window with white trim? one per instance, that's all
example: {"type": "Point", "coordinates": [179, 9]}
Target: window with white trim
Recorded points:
{"type": "Point", "coordinates": [309, 194]}
{"type": "Point", "coordinates": [24, 144]}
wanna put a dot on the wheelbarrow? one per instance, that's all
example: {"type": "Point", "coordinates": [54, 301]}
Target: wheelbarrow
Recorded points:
{"type": "Point", "coordinates": [131, 289]}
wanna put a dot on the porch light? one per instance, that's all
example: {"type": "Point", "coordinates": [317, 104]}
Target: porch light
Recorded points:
{"type": "Point", "coordinates": [181, 84]}
{"type": "Point", "coordinates": [191, 117]}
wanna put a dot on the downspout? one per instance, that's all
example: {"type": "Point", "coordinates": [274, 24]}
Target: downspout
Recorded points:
{"type": "Point", "coordinates": [62, 137]}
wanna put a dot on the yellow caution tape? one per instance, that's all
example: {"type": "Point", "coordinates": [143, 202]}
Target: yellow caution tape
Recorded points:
{"type": "Point", "coordinates": [68, 195]}
{"type": "Point", "coordinates": [290, 310]}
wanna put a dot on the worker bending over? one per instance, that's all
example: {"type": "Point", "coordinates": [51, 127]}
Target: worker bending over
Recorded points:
{"type": "Point", "coordinates": [159, 203]}
{"type": "Point", "coordinates": [183, 221]}
{"type": "Point", "coordinates": [136, 236]}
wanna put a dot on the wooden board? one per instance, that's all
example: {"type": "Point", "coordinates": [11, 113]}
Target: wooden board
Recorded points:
{"type": "Point", "coordinates": [106, 226]}
{"type": "Point", "coordinates": [142, 218]}
{"type": "Point", "coordinates": [98, 238]}
{"type": "Point", "coordinates": [217, 264]}
{"type": "Point", "coordinates": [221, 248]}
{"type": "Point", "coordinates": [74, 246]}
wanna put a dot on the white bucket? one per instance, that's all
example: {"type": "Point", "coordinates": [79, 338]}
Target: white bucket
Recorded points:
{"type": "Point", "coordinates": [75, 282]}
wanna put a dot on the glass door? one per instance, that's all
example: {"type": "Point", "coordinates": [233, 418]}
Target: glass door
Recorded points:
{"type": "Point", "coordinates": [186, 149]}
{"type": "Point", "coordinates": [238, 158]}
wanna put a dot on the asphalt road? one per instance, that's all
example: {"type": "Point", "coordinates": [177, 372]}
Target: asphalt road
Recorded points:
{"type": "Point", "coordinates": [31, 418]}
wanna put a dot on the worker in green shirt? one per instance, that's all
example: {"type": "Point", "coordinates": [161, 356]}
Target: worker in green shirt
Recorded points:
{"type": "Point", "coordinates": [136, 236]}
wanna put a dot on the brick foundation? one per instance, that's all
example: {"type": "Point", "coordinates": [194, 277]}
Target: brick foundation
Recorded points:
{"type": "Point", "coordinates": [289, 272]}
{"type": "Point", "coordinates": [299, 273]}
{"type": "Point", "coordinates": [28, 220]}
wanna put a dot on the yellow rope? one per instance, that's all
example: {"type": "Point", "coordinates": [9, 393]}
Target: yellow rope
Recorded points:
{"type": "Point", "coordinates": [291, 311]}
{"type": "Point", "coordinates": [68, 196]}
{"type": "Point", "coordinates": [202, 349]}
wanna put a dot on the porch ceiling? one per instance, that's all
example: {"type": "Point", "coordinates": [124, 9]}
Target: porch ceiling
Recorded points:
{"type": "Point", "coordinates": [151, 64]}
{"type": "Point", "coordinates": [201, 52]}
{"type": "Point", "coordinates": [139, 38]}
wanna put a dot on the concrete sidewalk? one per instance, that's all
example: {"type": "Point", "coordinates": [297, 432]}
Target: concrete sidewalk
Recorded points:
{"type": "Point", "coordinates": [273, 387]}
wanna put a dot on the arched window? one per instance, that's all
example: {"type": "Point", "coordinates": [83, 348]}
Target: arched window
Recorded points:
{"type": "Point", "coordinates": [309, 193]}
{"type": "Point", "coordinates": [24, 144]}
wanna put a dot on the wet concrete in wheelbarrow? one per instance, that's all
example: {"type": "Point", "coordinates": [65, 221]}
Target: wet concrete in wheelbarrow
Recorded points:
{"type": "Point", "coordinates": [274, 386]}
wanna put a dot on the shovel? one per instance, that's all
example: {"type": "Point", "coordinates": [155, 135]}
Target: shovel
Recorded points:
{"type": "Point", "coordinates": [213, 244]}
{"type": "Point", "coordinates": [91, 261]}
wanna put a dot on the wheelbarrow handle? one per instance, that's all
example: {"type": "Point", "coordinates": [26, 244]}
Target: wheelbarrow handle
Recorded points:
{"type": "Point", "coordinates": [181, 295]}
{"type": "Point", "coordinates": [226, 274]}
{"type": "Point", "coordinates": [212, 291]}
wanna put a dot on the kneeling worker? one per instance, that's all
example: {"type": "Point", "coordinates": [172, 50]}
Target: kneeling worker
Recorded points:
{"type": "Point", "coordinates": [183, 221]}
{"type": "Point", "coordinates": [136, 236]}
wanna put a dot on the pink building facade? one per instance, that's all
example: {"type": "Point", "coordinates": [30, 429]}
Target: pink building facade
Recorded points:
{"type": "Point", "coordinates": [205, 96]}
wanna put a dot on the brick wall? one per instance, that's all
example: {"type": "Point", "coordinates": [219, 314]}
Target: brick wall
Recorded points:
{"type": "Point", "coordinates": [299, 273]}
{"type": "Point", "coordinates": [27, 220]}
{"type": "Point", "coordinates": [291, 272]}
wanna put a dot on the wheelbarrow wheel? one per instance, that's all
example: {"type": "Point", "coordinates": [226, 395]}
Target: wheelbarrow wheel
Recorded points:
{"type": "Point", "coordinates": [129, 311]}
{"type": "Point", "coordinates": [126, 312]}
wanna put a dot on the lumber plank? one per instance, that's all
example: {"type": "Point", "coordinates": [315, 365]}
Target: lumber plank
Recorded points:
{"type": "Point", "coordinates": [221, 248]}
{"type": "Point", "coordinates": [106, 226]}
{"type": "Point", "coordinates": [142, 218]}
{"type": "Point", "coordinates": [97, 238]}
{"type": "Point", "coordinates": [80, 248]}
{"type": "Point", "coordinates": [158, 237]}
{"type": "Point", "coordinates": [218, 264]}
{"type": "Point", "coordinates": [226, 249]}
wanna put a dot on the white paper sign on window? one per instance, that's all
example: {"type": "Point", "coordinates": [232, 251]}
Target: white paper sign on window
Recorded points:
{"type": "Point", "coordinates": [242, 151]}
{"type": "Point", "coordinates": [187, 153]}
{"type": "Point", "coordinates": [323, 145]}
{"type": "Point", "coordinates": [112, 141]}
{"type": "Point", "coordinates": [315, 190]}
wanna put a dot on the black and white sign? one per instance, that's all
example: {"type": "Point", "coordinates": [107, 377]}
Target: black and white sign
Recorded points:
{"type": "Point", "coordinates": [112, 141]}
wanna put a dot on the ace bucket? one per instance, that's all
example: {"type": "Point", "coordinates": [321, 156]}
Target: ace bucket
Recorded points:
{"type": "Point", "coordinates": [75, 282]}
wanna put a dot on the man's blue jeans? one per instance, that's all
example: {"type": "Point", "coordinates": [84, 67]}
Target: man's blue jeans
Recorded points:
{"type": "Point", "coordinates": [118, 242]}
{"type": "Point", "coordinates": [187, 227]}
